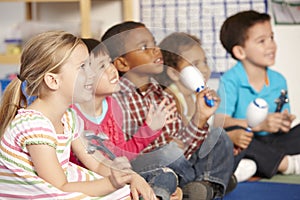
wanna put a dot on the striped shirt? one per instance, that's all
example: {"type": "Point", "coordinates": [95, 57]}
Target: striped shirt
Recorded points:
{"type": "Point", "coordinates": [18, 177]}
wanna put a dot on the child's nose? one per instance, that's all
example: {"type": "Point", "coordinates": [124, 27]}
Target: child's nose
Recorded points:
{"type": "Point", "coordinates": [156, 50]}
{"type": "Point", "coordinates": [112, 68]}
{"type": "Point", "coordinates": [90, 72]}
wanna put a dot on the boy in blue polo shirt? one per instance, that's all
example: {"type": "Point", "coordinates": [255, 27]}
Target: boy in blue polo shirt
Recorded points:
{"type": "Point", "coordinates": [273, 145]}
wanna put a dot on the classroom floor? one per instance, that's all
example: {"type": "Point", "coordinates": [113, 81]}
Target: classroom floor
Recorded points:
{"type": "Point", "coordinates": [280, 187]}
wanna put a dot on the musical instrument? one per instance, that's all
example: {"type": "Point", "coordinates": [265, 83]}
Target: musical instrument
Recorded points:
{"type": "Point", "coordinates": [257, 111]}
{"type": "Point", "coordinates": [281, 100]}
{"type": "Point", "coordinates": [94, 142]}
{"type": "Point", "coordinates": [193, 79]}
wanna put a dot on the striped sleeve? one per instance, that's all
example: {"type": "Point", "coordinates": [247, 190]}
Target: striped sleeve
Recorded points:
{"type": "Point", "coordinates": [33, 129]}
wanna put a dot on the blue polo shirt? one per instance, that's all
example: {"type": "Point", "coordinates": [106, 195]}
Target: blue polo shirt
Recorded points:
{"type": "Point", "coordinates": [236, 93]}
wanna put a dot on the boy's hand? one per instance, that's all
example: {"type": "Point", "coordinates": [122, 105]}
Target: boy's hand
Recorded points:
{"type": "Point", "coordinates": [204, 112]}
{"type": "Point", "coordinates": [161, 115]}
{"type": "Point", "coordinates": [276, 122]}
{"type": "Point", "coordinates": [240, 138]}
{"type": "Point", "coordinates": [287, 120]}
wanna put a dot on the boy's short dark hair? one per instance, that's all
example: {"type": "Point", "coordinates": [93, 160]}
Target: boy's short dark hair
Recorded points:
{"type": "Point", "coordinates": [235, 28]}
{"type": "Point", "coordinates": [95, 46]}
{"type": "Point", "coordinates": [114, 38]}
{"type": "Point", "coordinates": [91, 43]}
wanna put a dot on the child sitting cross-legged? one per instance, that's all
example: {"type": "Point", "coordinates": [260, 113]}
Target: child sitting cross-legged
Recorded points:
{"type": "Point", "coordinates": [36, 139]}
{"type": "Point", "coordinates": [103, 117]}
{"type": "Point", "coordinates": [202, 160]}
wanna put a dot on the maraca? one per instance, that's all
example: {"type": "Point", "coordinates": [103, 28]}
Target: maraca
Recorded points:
{"type": "Point", "coordinates": [257, 111]}
{"type": "Point", "coordinates": [193, 79]}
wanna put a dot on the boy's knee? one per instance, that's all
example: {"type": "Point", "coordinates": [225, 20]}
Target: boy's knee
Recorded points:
{"type": "Point", "coordinates": [164, 181]}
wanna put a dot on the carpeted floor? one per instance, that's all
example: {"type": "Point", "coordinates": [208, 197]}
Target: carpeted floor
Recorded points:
{"type": "Point", "coordinates": [278, 188]}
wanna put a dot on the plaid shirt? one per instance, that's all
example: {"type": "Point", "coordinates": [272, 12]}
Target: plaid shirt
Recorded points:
{"type": "Point", "coordinates": [135, 106]}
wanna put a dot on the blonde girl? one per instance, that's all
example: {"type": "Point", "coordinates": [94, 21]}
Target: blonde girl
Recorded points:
{"type": "Point", "coordinates": [36, 140]}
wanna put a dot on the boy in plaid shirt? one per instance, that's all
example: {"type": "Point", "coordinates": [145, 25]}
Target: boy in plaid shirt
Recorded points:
{"type": "Point", "coordinates": [203, 172]}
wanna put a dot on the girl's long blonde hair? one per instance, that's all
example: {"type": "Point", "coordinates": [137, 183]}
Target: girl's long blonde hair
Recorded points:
{"type": "Point", "coordinates": [42, 54]}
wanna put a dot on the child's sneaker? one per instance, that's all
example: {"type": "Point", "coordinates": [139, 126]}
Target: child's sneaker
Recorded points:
{"type": "Point", "coordinates": [296, 159]}
{"type": "Point", "coordinates": [245, 170]}
{"type": "Point", "coordinates": [197, 190]}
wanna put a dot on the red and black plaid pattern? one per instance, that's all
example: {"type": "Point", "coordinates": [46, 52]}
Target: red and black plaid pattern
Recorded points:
{"type": "Point", "coordinates": [135, 106]}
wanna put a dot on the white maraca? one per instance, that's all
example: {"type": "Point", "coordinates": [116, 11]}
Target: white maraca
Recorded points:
{"type": "Point", "coordinates": [193, 79]}
{"type": "Point", "coordinates": [257, 112]}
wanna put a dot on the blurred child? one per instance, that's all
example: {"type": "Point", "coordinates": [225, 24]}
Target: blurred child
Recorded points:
{"type": "Point", "coordinates": [203, 174]}
{"type": "Point", "coordinates": [36, 140]}
{"type": "Point", "coordinates": [103, 116]}
{"type": "Point", "coordinates": [181, 50]}
{"type": "Point", "coordinates": [273, 145]}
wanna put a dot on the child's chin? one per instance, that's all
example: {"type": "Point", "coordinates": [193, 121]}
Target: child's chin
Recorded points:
{"type": "Point", "coordinates": [159, 70]}
{"type": "Point", "coordinates": [117, 88]}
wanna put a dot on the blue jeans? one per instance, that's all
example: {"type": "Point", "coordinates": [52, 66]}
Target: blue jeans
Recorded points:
{"type": "Point", "coordinates": [163, 181]}
{"type": "Point", "coordinates": [212, 162]}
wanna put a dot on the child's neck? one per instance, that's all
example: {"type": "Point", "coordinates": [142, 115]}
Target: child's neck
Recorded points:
{"type": "Point", "coordinates": [92, 108]}
{"type": "Point", "coordinates": [54, 115]}
{"type": "Point", "coordinates": [257, 77]}
{"type": "Point", "coordinates": [139, 80]}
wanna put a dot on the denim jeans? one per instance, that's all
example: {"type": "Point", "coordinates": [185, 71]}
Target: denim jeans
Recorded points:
{"type": "Point", "coordinates": [212, 162]}
{"type": "Point", "coordinates": [163, 181]}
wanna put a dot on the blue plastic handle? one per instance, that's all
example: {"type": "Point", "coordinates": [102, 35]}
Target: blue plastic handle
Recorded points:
{"type": "Point", "coordinates": [209, 102]}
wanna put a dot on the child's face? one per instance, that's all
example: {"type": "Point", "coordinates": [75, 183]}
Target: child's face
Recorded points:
{"type": "Point", "coordinates": [143, 56]}
{"type": "Point", "coordinates": [195, 56]}
{"type": "Point", "coordinates": [107, 78]}
{"type": "Point", "coordinates": [77, 77]}
{"type": "Point", "coordinates": [260, 47]}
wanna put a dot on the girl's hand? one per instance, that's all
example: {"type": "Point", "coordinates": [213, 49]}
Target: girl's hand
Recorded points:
{"type": "Point", "coordinates": [177, 195]}
{"type": "Point", "coordinates": [139, 186]}
{"type": "Point", "coordinates": [160, 116]}
{"type": "Point", "coordinates": [121, 163]}
{"type": "Point", "coordinates": [120, 172]}
{"type": "Point", "coordinates": [204, 112]}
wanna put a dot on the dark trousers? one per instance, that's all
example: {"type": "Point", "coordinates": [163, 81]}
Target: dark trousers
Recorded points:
{"type": "Point", "coordinates": [268, 151]}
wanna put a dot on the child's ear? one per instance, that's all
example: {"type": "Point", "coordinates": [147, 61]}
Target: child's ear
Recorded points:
{"type": "Point", "coordinates": [121, 64]}
{"type": "Point", "coordinates": [51, 81]}
{"type": "Point", "coordinates": [238, 52]}
{"type": "Point", "coordinates": [173, 74]}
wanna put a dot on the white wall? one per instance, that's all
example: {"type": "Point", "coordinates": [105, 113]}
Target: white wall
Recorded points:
{"type": "Point", "coordinates": [287, 61]}
{"type": "Point", "coordinates": [108, 12]}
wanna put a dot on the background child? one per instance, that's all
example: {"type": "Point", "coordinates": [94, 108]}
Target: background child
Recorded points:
{"type": "Point", "coordinates": [36, 139]}
{"type": "Point", "coordinates": [179, 51]}
{"type": "Point", "coordinates": [249, 38]}
{"type": "Point", "coordinates": [103, 115]}
{"type": "Point", "coordinates": [136, 56]}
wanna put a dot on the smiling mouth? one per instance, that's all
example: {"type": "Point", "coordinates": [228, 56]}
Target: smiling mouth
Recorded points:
{"type": "Point", "coordinates": [89, 86]}
{"type": "Point", "coordinates": [115, 80]}
{"type": "Point", "coordinates": [159, 61]}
